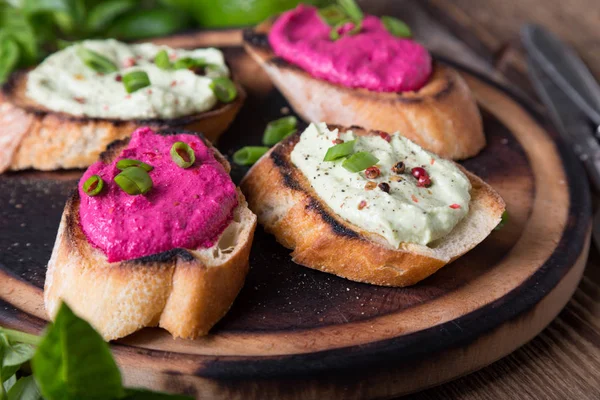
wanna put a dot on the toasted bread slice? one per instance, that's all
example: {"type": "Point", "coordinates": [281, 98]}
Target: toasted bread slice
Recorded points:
{"type": "Point", "coordinates": [441, 117]}
{"type": "Point", "coordinates": [33, 136]}
{"type": "Point", "coordinates": [183, 291]}
{"type": "Point", "coordinates": [286, 204]}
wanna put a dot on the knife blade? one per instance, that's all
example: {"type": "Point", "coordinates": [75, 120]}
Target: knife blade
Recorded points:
{"type": "Point", "coordinates": [571, 122]}
{"type": "Point", "coordinates": [564, 67]}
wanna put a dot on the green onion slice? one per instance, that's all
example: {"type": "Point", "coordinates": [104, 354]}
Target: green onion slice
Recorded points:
{"type": "Point", "coordinates": [339, 151]}
{"type": "Point", "coordinates": [95, 61]}
{"type": "Point", "coordinates": [162, 60]}
{"type": "Point", "coordinates": [224, 89]}
{"type": "Point", "coordinates": [335, 31]}
{"type": "Point", "coordinates": [333, 14]}
{"type": "Point", "coordinates": [188, 62]}
{"type": "Point", "coordinates": [134, 180]}
{"type": "Point", "coordinates": [135, 80]}
{"type": "Point", "coordinates": [182, 154]}
{"type": "Point", "coordinates": [396, 27]}
{"type": "Point", "coordinates": [359, 161]}
{"type": "Point", "coordinates": [503, 221]}
{"type": "Point", "coordinates": [279, 129]}
{"type": "Point", "coordinates": [93, 185]}
{"type": "Point", "coordinates": [129, 162]}
{"type": "Point", "coordinates": [352, 10]}
{"type": "Point", "coordinates": [249, 155]}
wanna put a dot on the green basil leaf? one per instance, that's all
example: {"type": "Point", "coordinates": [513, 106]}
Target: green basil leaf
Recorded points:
{"type": "Point", "coordinates": [9, 57]}
{"type": "Point", "coordinates": [14, 23]}
{"type": "Point", "coordinates": [148, 23]}
{"type": "Point", "coordinates": [15, 354]}
{"type": "Point", "coordinates": [69, 15]}
{"type": "Point", "coordinates": [9, 383]}
{"type": "Point", "coordinates": [140, 394]}
{"type": "Point", "coordinates": [74, 362]}
{"type": "Point", "coordinates": [25, 389]}
{"type": "Point", "coordinates": [104, 13]}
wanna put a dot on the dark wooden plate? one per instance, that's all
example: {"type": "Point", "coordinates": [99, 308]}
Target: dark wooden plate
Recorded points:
{"type": "Point", "coordinates": [298, 333]}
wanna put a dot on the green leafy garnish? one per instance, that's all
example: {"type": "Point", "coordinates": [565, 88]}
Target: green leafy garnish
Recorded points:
{"type": "Point", "coordinates": [224, 89]}
{"type": "Point", "coordinates": [135, 80]}
{"type": "Point", "coordinates": [249, 155]}
{"type": "Point", "coordinates": [72, 362]}
{"type": "Point", "coordinates": [162, 61]}
{"type": "Point", "coordinates": [360, 161]}
{"type": "Point", "coordinates": [95, 61]}
{"type": "Point", "coordinates": [352, 10]}
{"type": "Point", "coordinates": [339, 151]}
{"type": "Point", "coordinates": [279, 129]}
{"type": "Point", "coordinates": [333, 15]}
{"type": "Point", "coordinates": [396, 27]}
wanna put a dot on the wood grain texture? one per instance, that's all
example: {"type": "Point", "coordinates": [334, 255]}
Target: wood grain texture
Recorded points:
{"type": "Point", "coordinates": [312, 335]}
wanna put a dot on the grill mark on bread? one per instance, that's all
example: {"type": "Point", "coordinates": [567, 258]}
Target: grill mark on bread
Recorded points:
{"type": "Point", "coordinates": [337, 228]}
{"type": "Point", "coordinates": [281, 159]}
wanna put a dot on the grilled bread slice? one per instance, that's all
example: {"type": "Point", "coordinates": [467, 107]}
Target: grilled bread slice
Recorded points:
{"type": "Point", "coordinates": [32, 136]}
{"type": "Point", "coordinates": [288, 207]}
{"type": "Point", "coordinates": [441, 117]}
{"type": "Point", "coordinates": [183, 291]}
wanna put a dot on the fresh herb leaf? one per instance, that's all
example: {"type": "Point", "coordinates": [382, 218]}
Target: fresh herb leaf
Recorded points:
{"type": "Point", "coordinates": [15, 25]}
{"type": "Point", "coordinates": [396, 27]}
{"type": "Point", "coordinates": [105, 12]}
{"type": "Point", "coordinates": [25, 389]}
{"type": "Point", "coordinates": [333, 15]}
{"type": "Point", "coordinates": [141, 24]}
{"type": "Point", "coordinates": [15, 354]}
{"type": "Point", "coordinates": [9, 56]}
{"type": "Point", "coordinates": [10, 382]}
{"type": "Point", "coordinates": [352, 10]}
{"type": "Point", "coordinates": [74, 362]}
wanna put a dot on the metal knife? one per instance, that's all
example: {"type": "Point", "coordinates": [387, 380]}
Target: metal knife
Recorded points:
{"type": "Point", "coordinates": [571, 95]}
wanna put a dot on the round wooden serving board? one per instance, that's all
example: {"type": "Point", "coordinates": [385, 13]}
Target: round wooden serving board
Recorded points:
{"type": "Point", "coordinates": [299, 333]}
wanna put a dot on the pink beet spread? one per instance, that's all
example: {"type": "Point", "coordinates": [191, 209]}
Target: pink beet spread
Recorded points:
{"type": "Point", "coordinates": [186, 208]}
{"type": "Point", "coordinates": [373, 59]}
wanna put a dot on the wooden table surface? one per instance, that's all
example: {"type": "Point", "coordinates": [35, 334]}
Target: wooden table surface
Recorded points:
{"type": "Point", "coordinates": [563, 362]}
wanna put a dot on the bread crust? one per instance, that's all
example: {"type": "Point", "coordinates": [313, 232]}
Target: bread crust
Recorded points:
{"type": "Point", "coordinates": [441, 117]}
{"type": "Point", "coordinates": [183, 291]}
{"type": "Point", "coordinates": [285, 203]}
{"type": "Point", "coordinates": [42, 139]}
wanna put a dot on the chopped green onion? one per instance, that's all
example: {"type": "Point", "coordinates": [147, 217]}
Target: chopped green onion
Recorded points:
{"type": "Point", "coordinates": [360, 161]}
{"type": "Point", "coordinates": [135, 80]}
{"type": "Point", "coordinates": [129, 162]}
{"type": "Point", "coordinates": [249, 155]}
{"type": "Point", "coordinates": [93, 185]}
{"type": "Point", "coordinates": [134, 180]}
{"type": "Point", "coordinates": [182, 154]}
{"type": "Point", "coordinates": [503, 221]}
{"type": "Point", "coordinates": [162, 60]}
{"type": "Point", "coordinates": [335, 31]}
{"type": "Point", "coordinates": [224, 89]}
{"type": "Point", "coordinates": [279, 129]}
{"type": "Point", "coordinates": [333, 14]}
{"type": "Point", "coordinates": [95, 61]}
{"type": "Point", "coordinates": [188, 62]}
{"type": "Point", "coordinates": [352, 10]}
{"type": "Point", "coordinates": [339, 150]}
{"type": "Point", "coordinates": [396, 27]}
